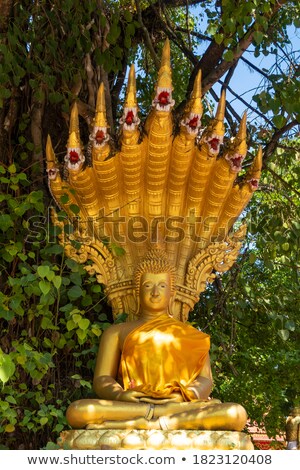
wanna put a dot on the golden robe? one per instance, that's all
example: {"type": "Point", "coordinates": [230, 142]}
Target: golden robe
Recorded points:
{"type": "Point", "coordinates": [163, 356]}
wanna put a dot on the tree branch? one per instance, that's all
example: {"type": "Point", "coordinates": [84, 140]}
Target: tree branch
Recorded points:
{"type": "Point", "coordinates": [115, 93]}
{"type": "Point", "coordinates": [37, 112]}
{"type": "Point", "coordinates": [257, 69]}
{"type": "Point", "coordinates": [212, 65]}
{"type": "Point", "coordinates": [271, 146]}
{"type": "Point", "coordinates": [285, 183]}
{"type": "Point", "coordinates": [6, 10]}
{"type": "Point", "coordinates": [248, 106]}
{"type": "Point", "coordinates": [146, 36]}
{"type": "Point", "coordinates": [181, 3]}
{"type": "Point", "coordinates": [169, 30]}
{"type": "Point", "coordinates": [193, 33]}
{"type": "Point", "coordinates": [90, 75]}
{"type": "Point", "coordinates": [227, 115]}
{"type": "Point", "coordinates": [187, 24]}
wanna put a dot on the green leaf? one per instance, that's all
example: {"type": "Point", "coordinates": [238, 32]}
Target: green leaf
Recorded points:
{"type": "Point", "coordinates": [96, 331]}
{"type": "Point", "coordinates": [55, 249]}
{"type": "Point", "coordinates": [81, 334]}
{"type": "Point", "coordinates": [86, 301]}
{"type": "Point", "coordinates": [279, 121]}
{"type": "Point", "coordinates": [218, 38]}
{"type": "Point", "coordinates": [7, 367]}
{"type": "Point", "coordinates": [50, 276]}
{"type": "Point", "coordinates": [6, 314]}
{"type": "Point", "coordinates": [75, 209]}
{"type": "Point", "coordinates": [130, 30]}
{"type": "Point", "coordinates": [71, 325]}
{"type": "Point", "coordinates": [73, 265]}
{"type": "Point", "coordinates": [57, 282]}
{"type": "Point", "coordinates": [258, 37]}
{"type": "Point", "coordinates": [64, 199]}
{"type": "Point", "coordinates": [284, 334]}
{"type": "Point", "coordinates": [9, 428]}
{"type": "Point", "coordinates": [252, 258]}
{"type": "Point", "coordinates": [45, 287]}
{"type": "Point", "coordinates": [12, 168]}
{"type": "Point", "coordinates": [290, 325]}
{"type": "Point", "coordinates": [84, 323]}
{"type": "Point", "coordinates": [5, 222]}
{"type": "Point", "coordinates": [96, 289]}
{"type": "Point", "coordinates": [76, 278]}
{"type": "Point", "coordinates": [76, 318]}
{"type": "Point", "coordinates": [127, 16]}
{"type": "Point", "coordinates": [43, 271]}
{"type": "Point", "coordinates": [228, 56]}
{"type": "Point", "coordinates": [4, 93]}
{"type": "Point", "coordinates": [75, 292]}
{"type": "Point", "coordinates": [11, 400]}
{"type": "Point", "coordinates": [47, 324]}
{"type": "Point", "coordinates": [117, 250]}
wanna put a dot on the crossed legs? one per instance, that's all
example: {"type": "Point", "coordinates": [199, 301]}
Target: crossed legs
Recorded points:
{"type": "Point", "coordinates": [105, 414]}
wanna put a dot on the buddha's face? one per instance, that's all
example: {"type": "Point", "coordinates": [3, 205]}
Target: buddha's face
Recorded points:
{"type": "Point", "coordinates": [155, 292]}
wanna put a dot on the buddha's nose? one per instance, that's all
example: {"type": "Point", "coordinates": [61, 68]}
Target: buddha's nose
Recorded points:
{"type": "Point", "coordinates": [155, 291]}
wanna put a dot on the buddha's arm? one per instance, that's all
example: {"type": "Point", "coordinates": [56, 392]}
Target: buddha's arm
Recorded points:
{"type": "Point", "coordinates": [202, 385]}
{"type": "Point", "coordinates": [105, 384]}
{"type": "Point", "coordinates": [106, 370]}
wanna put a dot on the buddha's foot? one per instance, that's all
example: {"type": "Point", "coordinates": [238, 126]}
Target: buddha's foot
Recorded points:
{"type": "Point", "coordinates": [139, 423]}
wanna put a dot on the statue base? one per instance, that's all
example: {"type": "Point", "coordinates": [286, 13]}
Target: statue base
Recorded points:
{"type": "Point", "coordinates": [116, 439]}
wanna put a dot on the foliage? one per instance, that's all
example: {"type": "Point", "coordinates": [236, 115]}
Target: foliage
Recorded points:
{"type": "Point", "coordinates": [51, 312]}
{"type": "Point", "coordinates": [52, 315]}
{"type": "Point", "coordinates": [252, 312]}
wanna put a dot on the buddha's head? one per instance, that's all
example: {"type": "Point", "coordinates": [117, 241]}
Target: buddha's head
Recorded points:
{"type": "Point", "coordinates": [154, 283]}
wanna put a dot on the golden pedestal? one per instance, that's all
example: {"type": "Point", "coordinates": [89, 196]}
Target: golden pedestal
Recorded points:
{"type": "Point", "coordinates": [117, 439]}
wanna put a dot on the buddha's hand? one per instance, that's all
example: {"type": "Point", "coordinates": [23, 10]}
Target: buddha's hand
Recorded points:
{"type": "Point", "coordinates": [131, 396]}
{"type": "Point", "coordinates": [172, 398]}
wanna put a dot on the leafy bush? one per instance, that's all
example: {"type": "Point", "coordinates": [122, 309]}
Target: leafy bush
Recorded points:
{"type": "Point", "coordinates": [52, 314]}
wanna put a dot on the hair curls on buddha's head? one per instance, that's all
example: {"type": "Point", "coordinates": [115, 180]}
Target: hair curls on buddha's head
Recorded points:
{"type": "Point", "coordinates": [155, 261]}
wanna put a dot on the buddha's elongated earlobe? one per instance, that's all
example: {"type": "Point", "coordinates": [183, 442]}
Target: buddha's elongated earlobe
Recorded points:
{"type": "Point", "coordinates": [138, 304]}
{"type": "Point", "coordinates": [170, 306]}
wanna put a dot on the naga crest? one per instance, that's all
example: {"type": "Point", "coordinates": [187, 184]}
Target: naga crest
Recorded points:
{"type": "Point", "coordinates": [160, 191]}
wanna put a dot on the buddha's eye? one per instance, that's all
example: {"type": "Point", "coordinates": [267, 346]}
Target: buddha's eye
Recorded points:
{"type": "Point", "coordinates": [162, 285]}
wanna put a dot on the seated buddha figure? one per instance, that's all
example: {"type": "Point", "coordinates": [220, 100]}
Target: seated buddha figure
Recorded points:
{"type": "Point", "coordinates": [154, 372]}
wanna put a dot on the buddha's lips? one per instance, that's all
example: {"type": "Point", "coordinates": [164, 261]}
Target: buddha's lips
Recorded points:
{"type": "Point", "coordinates": [155, 299]}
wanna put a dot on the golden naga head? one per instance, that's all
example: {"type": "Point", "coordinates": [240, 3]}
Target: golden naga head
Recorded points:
{"type": "Point", "coordinates": [177, 189]}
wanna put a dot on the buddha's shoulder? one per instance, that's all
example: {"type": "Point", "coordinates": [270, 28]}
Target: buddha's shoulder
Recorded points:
{"type": "Point", "coordinates": [120, 329]}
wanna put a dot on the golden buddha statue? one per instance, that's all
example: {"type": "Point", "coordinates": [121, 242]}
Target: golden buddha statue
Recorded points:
{"type": "Point", "coordinates": [154, 372]}
{"type": "Point", "coordinates": [164, 199]}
